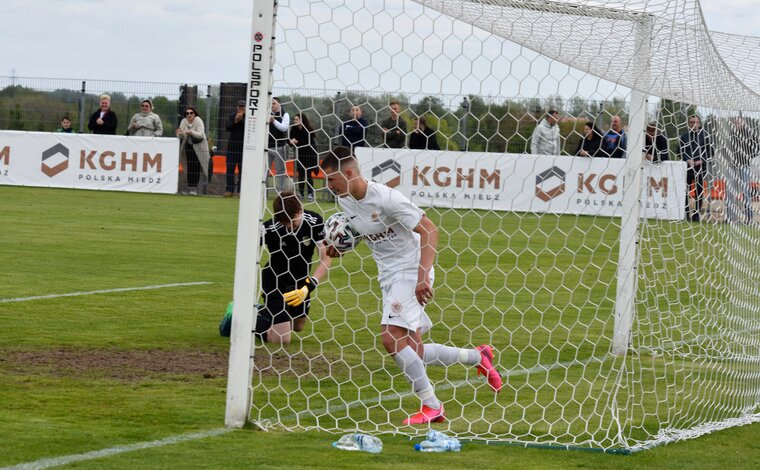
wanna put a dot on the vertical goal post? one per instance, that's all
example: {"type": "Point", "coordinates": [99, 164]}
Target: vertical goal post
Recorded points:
{"type": "Point", "coordinates": [258, 104]}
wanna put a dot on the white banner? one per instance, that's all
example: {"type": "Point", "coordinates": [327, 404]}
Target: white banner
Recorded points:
{"type": "Point", "coordinates": [524, 183]}
{"type": "Point", "coordinates": [86, 161]}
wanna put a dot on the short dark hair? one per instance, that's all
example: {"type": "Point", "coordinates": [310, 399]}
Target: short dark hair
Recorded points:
{"type": "Point", "coordinates": [335, 158]}
{"type": "Point", "coordinates": [394, 102]}
{"type": "Point", "coordinates": [286, 207]}
{"type": "Point", "coordinates": [276, 98]}
{"type": "Point", "coordinates": [552, 112]}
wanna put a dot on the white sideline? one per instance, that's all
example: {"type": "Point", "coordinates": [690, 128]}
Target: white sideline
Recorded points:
{"type": "Point", "coordinates": [105, 291]}
{"type": "Point", "coordinates": [96, 454]}
{"type": "Point", "coordinates": [67, 459]}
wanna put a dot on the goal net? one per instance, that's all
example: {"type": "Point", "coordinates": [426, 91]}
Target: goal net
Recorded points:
{"type": "Point", "coordinates": [615, 275]}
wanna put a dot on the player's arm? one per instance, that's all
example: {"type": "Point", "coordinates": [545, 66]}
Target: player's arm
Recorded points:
{"type": "Point", "coordinates": [428, 244]}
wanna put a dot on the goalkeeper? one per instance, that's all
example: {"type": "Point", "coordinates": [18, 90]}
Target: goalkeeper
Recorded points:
{"type": "Point", "coordinates": [403, 241]}
{"type": "Point", "coordinates": [291, 237]}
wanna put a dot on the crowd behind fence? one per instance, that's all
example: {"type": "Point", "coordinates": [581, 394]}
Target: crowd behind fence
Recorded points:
{"type": "Point", "coordinates": [471, 123]}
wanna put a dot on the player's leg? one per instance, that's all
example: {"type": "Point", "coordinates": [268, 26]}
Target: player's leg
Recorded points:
{"type": "Point", "coordinates": [276, 321]}
{"type": "Point", "coordinates": [279, 333]}
{"type": "Point", "coordinates": [481, 356]}
{"type": "Point", "coordinates": [400, 333]}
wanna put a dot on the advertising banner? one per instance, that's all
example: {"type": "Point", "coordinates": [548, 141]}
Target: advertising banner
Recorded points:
{"type": "Point", "coordinates": [524, 183]}
{"type": "Point", "coordinates": [86, 161]}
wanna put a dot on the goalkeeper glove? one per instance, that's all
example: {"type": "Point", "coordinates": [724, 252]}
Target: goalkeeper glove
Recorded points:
{"type": "Point", "coordinates": [296, 297]}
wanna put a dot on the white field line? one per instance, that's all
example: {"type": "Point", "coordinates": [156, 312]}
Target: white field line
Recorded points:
{"type": "Point", "coordinates": [67, 459]}
{"type": "Point", "coordinates": [97, 454]}
{"type": "Point", "coordinates": [446, 386]}
{"type": "Point", "coordinates": [105, 291]}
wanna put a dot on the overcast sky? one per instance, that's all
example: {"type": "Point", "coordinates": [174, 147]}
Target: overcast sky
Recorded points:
{"type": "Point", "coordinates": [174, 41]}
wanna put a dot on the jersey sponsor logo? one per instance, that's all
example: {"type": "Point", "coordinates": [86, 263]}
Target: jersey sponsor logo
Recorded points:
{"type": "Point", "coordinates": [382, 236]}
{"type": "Point", "coordinates": [306, 241]}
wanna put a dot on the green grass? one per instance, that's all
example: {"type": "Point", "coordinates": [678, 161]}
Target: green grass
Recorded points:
{"type": "Point", "coordinates": [86, 373]}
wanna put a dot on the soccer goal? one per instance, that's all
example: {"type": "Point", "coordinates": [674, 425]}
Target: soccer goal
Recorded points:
{"type": "Point", "coordinates": [591, 168]}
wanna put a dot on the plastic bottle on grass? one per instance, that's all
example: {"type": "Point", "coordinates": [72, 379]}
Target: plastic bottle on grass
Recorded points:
{"type": "Point", "coordinates": [434, 435]}
{"type": "Point", "coordinates": [362, 442]}
{"type": "Point", "coordinates": [445, 445]}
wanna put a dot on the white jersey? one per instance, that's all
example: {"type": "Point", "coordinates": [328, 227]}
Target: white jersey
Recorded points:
{"type": "Point", "coordinates": [386, 218]}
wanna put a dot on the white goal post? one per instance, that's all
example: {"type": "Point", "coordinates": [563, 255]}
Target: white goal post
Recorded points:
{"type": "Point", "coordinates": [621, 295]}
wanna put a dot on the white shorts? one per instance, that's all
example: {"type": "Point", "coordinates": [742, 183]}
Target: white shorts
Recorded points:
{"type": "Point", "coordinates": [401, 308]}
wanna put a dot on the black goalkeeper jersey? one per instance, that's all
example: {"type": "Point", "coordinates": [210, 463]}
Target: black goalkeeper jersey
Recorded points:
{"type": "Point", "coordinates": [290, 253]}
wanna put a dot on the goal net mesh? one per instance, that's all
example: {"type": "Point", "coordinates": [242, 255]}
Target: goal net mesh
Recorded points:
{"type": "Point", "coordinates": [529, 250]}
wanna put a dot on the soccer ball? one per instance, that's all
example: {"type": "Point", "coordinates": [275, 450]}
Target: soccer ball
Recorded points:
{"type": "Point", "coordinates": [340, 234]}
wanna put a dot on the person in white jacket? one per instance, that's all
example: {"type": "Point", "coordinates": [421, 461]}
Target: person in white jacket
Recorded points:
{"type": "Point", "coordinates": [146, 122]}
{"type": "Point", "coordinates": [545, 140]}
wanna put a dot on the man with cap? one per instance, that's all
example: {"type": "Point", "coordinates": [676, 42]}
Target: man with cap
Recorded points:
{"type": "Point", "coordinates": [236, 127]}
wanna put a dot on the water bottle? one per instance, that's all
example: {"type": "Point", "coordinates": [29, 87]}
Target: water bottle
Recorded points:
{"type": "Point", "coordinates": [357, 441]}
{"type": "Point", "coordinates": [446, 445]}
{"type": "Point", "coordinates": [434, 435]}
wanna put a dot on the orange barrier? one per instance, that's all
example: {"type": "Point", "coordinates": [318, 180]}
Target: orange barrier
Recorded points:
{"type": "Point", "coordinates": [290, 170]}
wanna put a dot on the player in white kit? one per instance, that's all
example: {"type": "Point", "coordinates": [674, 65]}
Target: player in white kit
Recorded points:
{"type": "Point", "coordinates": [403, 241]}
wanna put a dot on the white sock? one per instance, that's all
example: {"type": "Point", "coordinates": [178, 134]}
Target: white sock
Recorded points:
{"type": "Point", "coordinates": [414, 371]}
{"type": "Point", "coordinates": [440, 355]}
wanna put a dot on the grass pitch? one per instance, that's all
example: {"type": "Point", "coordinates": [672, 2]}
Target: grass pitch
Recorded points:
{"type": "Point", "coordinates": [103, 371]}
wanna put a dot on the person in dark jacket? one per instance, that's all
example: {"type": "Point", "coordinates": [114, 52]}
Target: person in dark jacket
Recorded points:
{"type": "Point", "coordinates": [614, 141]}
{"type": "Point", "coordinates": [355, 129]}
{"type": "Point", "coordinates": [302, 139]}
{"type": "Point", "coordinates": [236, 127]}
{"type": "Point", "coordinates": [695, 148]}
{"type": "Point", "coordinates": [103, 121]}
{"type": "Point", "coordinates": [655, 145]}
{"type": "Point", "coordinates": [591, 143]}
{"type": "Point", "coordinates": [423, 137]}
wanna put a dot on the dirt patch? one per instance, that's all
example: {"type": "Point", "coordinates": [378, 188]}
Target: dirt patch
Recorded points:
{"type": "Point", "coordinates": [135, 365]}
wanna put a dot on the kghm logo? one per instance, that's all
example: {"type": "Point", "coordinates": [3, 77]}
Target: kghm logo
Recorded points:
{"type": "Point", "coordinates": [388, 173]}
{"type": "Point", "coordinates": [550, 184]}
{"type": "Point", "coordinates": [55, 160]}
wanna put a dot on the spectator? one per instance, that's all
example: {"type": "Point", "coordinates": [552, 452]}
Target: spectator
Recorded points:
{"type": "Point", "coordinates": [66, 126]}
{"type": "Point", "coordinates": [355, 129]}
{"type": "Point", "coordinates": [423, 137]}
{"type": "Point", "coordinates": [279, 123]}
{"type": "Point", "coordinates": [695, 148]}
{"type": "Point", "coordinates": [743, 146]}
{"type": "Point", "coordinates": [394, 128]}
{"type": "Point", "coordinates": [103, 121]}
{"type": "Point", "coordinates": [658, 151]}
{"type": "Point", "coordinates": [302, 139]}
{"type": "Point", "coordinates": [146, 123]}
{"type": "Point", "coordinates": [193, 144]}
{"type": "Point", "coordinates": [591, 143]}
{"type": "Point", "coordinates": [614, 141]}
{"type": "Point", "coordinates": [236, 127]}
{"type": "Point", "coordinates": [545, 140]}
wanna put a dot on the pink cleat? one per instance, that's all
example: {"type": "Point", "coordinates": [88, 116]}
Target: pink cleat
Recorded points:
{"type": "Point", "coordinates": [427, 415]}
{"type": "Point", "coordinates": [486, 367]}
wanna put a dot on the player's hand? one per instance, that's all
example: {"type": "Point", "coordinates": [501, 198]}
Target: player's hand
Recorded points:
{"type": "Point", "coordinates": [424, 292]}
{"type": "Point", "coordinates": [296, 297]}
{"type": "Point", "coordinates": [332, 252]}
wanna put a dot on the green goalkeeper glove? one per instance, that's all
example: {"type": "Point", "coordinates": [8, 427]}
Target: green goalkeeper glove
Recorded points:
{"type": "Point", "coordinates": [296, 297]}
